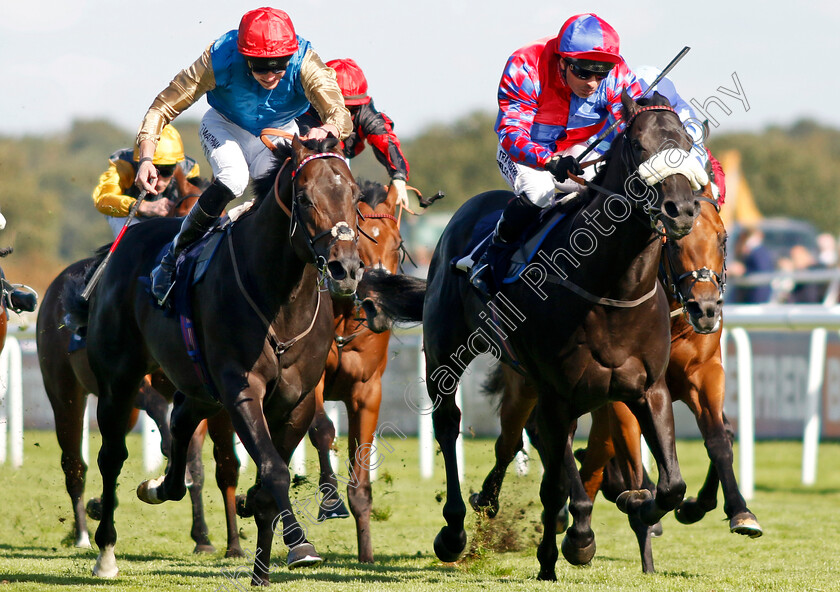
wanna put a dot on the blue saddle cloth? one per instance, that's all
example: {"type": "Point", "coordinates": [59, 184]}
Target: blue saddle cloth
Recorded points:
{"type": "Point", "coordinates": [524, 252]}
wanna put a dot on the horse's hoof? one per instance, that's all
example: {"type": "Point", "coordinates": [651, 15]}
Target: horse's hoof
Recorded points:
{"type": "Point", "coordinates": [547, 575]}
{"type": "Point", "coordinates": [106, 563]}
{"type": "Point", "coordinates": [745, 523]}
{"type": "Point", "coordinates": [303, 555]}
{"type": "Point", "coordinates": [336, 509]}
{"type": "Point", "coordinates": [447, 549]}
{"type": "Point", "coordinates": [83, 541]}
{"type": "Point", "coordinates": [689, 511]}
{"type": "Point", "coordinates": [93, 509]}
{"type": "Point", "coordinates": [243, 508]}
{"type": "Point", "coordinates": [489, 510]}
{"type": "Point", "coordinates": [575, 554]}
{"type": "Point", "coordinates": [630, 501]}
{"type": "Point", "coordinates": [147, 490]}
{"type": "Point", "coordinates": [234, 552]}
{"type": "Point", "coordinates": [204, 548]}
{"type": "Point", "coordinates": [656, 530]}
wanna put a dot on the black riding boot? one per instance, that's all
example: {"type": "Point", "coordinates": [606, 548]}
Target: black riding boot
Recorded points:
{"type": "Point", "coordinates": [197, 222]}
{"type": "Point", "coordinates": [518, 215]}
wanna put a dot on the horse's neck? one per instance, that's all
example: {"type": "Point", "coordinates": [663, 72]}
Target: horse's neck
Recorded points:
{"type": "Point", "coordinates": [268, 258]}
{"type": "Point", "coordinates": [625, 259]}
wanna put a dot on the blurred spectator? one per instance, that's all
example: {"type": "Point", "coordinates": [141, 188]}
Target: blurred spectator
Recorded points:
{"type": "Point", "coordinates": [751, 256]}
{"type": "Point", "coordinates": [827, 245]}
{"type": "Point", "coordinates": [801, 259]}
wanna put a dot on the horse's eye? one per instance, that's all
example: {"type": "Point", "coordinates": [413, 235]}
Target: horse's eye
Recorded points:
{"type": "Point", "coordinates": [636, 145]}
{"type": "Point", "coordinates": [303, 200]}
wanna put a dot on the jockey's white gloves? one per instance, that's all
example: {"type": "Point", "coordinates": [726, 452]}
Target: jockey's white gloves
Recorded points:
{"type": "Point", "coordinates": [402, 195]}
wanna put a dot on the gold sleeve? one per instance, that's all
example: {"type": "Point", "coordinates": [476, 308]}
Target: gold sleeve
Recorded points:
{"type": "Point", "coordinates": [185, 89]}
{"type": "Point", "coordinates": [108, 196]}
{"type": "Point", "coordinates": [323, 92]}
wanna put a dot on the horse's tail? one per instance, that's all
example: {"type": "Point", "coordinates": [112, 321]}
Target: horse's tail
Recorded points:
{"type": "Point", "coordinates": [76, 307]}
{"type": "Point", "coordinates": [391, 298]}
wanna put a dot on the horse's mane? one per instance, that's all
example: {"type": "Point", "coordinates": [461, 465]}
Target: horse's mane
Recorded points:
{"type": "Point", "coordinates": [373, 193]}
{"type": "Point", "coordinates": [655, 100]}
{"type": "Point", "coordinates": [264, 184]}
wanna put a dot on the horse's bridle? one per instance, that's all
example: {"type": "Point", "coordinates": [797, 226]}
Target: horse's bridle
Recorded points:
{"type": "Point", "coordinates": [703, 274]}
{"type": "Point", "coordinates": [340, 231]}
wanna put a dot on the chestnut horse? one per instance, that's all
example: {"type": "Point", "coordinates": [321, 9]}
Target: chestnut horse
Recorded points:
{"type": "Point", "coordinates": [353, 375]}
{"type": "Point", "coordinates": [259, 333]}
{"type": "Point", "coordinates": [588, 333]}
{"type": "Point", "coordinates": [68, 379]}
{"type": "Point", "coordinates": [693, 268]}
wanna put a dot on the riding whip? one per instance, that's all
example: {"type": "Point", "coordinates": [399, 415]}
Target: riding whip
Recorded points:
{"type": "Point", "coordinates": [609, 130]}
{"type": "Point", "coordinates": [101, 269]}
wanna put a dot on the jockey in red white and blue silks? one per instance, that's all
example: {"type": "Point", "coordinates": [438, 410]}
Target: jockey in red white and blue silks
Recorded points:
{"type": "Point", "coordinates": [539, 114]}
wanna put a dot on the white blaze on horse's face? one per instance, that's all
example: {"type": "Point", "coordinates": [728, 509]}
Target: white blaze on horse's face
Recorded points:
{"type": "Point", "coordinates": [375, 232]}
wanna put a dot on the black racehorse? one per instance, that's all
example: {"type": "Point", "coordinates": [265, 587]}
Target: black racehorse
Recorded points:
{"type": "Point", "coordinates": [263, 325]}
{"type": "Point", "coordinates": [587, 322]}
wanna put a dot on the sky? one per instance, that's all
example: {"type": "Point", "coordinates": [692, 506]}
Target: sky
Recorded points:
{"type": "Point", "coordinates": [752, 64]}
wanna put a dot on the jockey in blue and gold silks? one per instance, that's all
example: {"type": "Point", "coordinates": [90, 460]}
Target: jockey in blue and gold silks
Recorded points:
{"type": "Point", "coordinates": [261, 75]}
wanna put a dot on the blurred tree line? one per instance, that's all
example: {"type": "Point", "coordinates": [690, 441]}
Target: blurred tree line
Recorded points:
{"type": "Point", "coordinates": [46, 181]}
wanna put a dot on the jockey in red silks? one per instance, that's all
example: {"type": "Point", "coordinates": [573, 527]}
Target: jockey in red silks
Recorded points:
{"type": "Point", "coordinates": [369, 125]}
{"type": "Point", "coordinates": [555, 94]}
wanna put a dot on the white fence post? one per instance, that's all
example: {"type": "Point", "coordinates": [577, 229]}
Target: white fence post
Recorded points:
{"type": "Point", "coordinates": [425, 428]}
{"type": "Point", "coordinates": [152, 458]}
{"type": "Point", "coordinates": [811, 435]}
{"type": "Point", "coordinates": [11, 393]}
{"type": "Point", "coordinates": [746, 438]}
{"type": "Point", "coordinates": [334, 413]}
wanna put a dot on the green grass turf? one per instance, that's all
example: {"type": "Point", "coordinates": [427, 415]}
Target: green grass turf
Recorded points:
{"type": "Point", "coordinates": [799, 551]}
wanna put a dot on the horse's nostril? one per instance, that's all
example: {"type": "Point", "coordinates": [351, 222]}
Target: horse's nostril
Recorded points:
{"type": "Point", "coordinates": [671, 209]}
{"type": "Point", "coordinates": [336, 270]}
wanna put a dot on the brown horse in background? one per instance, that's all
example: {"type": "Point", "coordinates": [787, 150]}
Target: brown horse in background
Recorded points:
{"type": "Point", "coordinates": [694, 376]}
{"type": "Point", "coordinates": [354, 370]}
{"type": "Point", "coordinates": [68, 379]}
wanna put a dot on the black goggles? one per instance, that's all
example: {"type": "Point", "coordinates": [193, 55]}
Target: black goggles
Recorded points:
{"type": "Point", "coordinates": [166, 170]}
{"type": "Point", "coordinates": [586, 75]}
{"type": "Point", "coordinates": [268, 65]}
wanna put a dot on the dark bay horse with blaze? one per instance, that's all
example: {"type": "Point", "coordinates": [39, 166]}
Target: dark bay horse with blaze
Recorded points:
{"type": "Point", "coordinates": [68, 379]}
{"type": "Point", "coordinates": [594, 332]}
{"type": "Point", "coordinates": [263, 327]}
{"type": "Point", "coordinates": [353, 375]}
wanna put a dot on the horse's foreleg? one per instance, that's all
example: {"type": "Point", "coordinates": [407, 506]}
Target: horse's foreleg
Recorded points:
{"type": "Point", "coordinates": [706, 402]}
{"type": "Point", "coordinates": [553, 426]}
{"type": "Point", "coordinates": [249, 421]}
{"type": "Point", "coordinates": [579, 542]}
{"type": "Point", "coordinates": [157, 407]}
{"type": "Point", "coordinates": [68, 429]}
{"type": "Point", "coordinates": [518, 400]}
{"type": "Point", "coordinates": [446, 417]}
{"type": "Point", "coordinates": [227, 476]}
{"type": "Point", "coordinates": [195, 485]}
{"type": "Point", "coordinates": [322, 436]}
{"type": "Point", "coordinates": [363, 416]}
{"type": "Point", "coordinates": [656, 419]}
{"type": "Point", "coordinates": [185, 419]}
{"type": "Point", "coordinates": [113, 412]}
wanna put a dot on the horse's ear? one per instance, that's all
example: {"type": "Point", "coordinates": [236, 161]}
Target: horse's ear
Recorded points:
{"type": "Point", "coordinates": [391, 198]}
{"type": "Point", "coordinates": [630, 106]}
{"type": "Point", "coordinates": [299, 149]}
